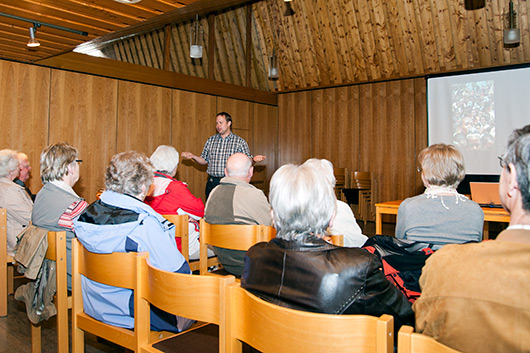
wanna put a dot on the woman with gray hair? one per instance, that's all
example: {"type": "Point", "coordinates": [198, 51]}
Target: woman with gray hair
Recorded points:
{"type": "Point", "coordinates": [170, 196]}
{"type": "Point", "coordinates": [57, 204]}
{"type": "Point", "coordinates": [13, 198]}
{"type": "Point", "coordinates": [299, 270]}
{"type": "Point", "coordinates": [440, 215]}
{"type": "Point", "coordinates": [120, 222]}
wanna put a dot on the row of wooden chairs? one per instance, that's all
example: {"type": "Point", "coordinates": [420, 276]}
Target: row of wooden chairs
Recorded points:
{"type": "Point", "coordinates": [238, 315]}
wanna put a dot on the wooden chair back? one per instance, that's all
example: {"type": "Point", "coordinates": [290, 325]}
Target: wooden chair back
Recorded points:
{"type": "Point", "coordinates": [200, 298]}
{"type": "Point", "coordinates": [231, 236]}
{"type": "Point", "coordinates": [102, 268]}
{"type": "Point", "coordinates": [6, 267]}
{"type": "Point", "coordinates": [342, 180]}
{"type": "Point", "coordinates": [56, 252]}
{"type": "Point", "coordinates": [361, 180]}
{"type": "Point", "coordinates": [410, 342]}
{"type": "Point", "coordinates": [181, 223]}
{"type": "Point", "coordinates": [337, 239]}
{"type": "Point", "coordinates": [272, 328]}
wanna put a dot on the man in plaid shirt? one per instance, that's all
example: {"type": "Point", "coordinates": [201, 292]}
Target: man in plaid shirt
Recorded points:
{"type": "Point", "coordinates": [218, 148]}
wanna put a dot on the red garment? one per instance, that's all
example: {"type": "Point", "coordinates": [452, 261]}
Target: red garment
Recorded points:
{"type": "Point", "coordinates": [173, 195]}
{"type": "Point", "coordinates": [176, 195]}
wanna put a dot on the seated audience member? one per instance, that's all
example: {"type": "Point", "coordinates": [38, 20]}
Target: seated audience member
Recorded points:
{"type": "Point", "coordinates": [299, 270]}
{"type": "Point", "coordinates": [440, 215]}
{"type": "Point", "coordinates": [475, 297]}
{"type": "Point", "coordinates": [13, 198]}
{"type": "Point", "coordinates": [170, 196]}
{"type": "Point", "coordinates": [57, 204]}
{"type": "Point", "coordinates": [23, 176]}
{"type": "Point", "coordinates": [235, 201]}
{"type": "Point", "coordinates": [133, 227]}
{"type": "Point", "coordinates": [344, 222]}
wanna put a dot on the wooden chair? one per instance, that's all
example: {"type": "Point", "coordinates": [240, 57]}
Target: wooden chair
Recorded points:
{"type": "Point", "coordinates": [410, 342]}
{"type": "Point", "coordinates": [124, 269]}
{"type": "Point", "coordinates": [337, 239]}
{"type": "Point", "coordinates": [181, 223]}
{"type": "Point", "coordinates": [272, 328]}
{"type": "Point", "coordinates": [6, 264]}
{"type": "Point", "coordinates": [362, 181]}
{"type": "Point", "coordinates": [56, 252]}
{"type": "Point", "coordinates": [343, 179]}
{"type": "Point", "coordinates": [230, 236]}
{"type": "Point", "coordinates": [200, 298]}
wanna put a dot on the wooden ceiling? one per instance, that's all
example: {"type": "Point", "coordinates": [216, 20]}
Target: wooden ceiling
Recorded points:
{"type": "Point", "coordinates": [95, 17]}
{"type": "Point", "coordinates": [325, 43]}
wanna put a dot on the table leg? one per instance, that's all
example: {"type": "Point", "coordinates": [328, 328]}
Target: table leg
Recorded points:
{"type": "Point", "coordinates": [378, 222]}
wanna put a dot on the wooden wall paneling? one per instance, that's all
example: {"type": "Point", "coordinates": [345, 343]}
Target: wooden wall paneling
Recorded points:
{"type": "Point", "coordinates": [362, 12]}
{"type": "Point", "coordinates": [382, 38]}
{"type": "Point", "coordinates": [83, 113]}
{"type": "Point", "coordinates": [353, 37]}
{"type": "Point", "coordinates": [397, 24]}
{"type": "Point", "coordinates": [193, 121]}
{"type": "Point", "coordinates": [443, 25]}
{"type": "Point", "coordinates": [427, 38]}
{"type": "Point", "coordinates": [144, 117]}
{"type": "Point", "coordinates": [239, 111]}
{"type": "Point", "coordinates": [335, 121]}
{"type": "Point", "coordinates": [24, 107]}
{"type": "Point", "coordinates": [387, 137]}
{"type": "Point", "coordinates": [295, 128]}
{"type": "Point", "coordinates": [420, 123]}
{"type": "Point", "coordinates": [265, 142]}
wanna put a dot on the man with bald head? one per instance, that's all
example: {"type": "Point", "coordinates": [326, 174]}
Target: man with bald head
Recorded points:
{"type": "Point", "coordinates": [25, 168]}
{"type": "Point", "coordinates": [236, 201]}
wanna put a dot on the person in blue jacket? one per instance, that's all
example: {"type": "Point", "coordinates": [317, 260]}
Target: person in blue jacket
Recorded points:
{"type": "Point", "coordinates": [120, 222]}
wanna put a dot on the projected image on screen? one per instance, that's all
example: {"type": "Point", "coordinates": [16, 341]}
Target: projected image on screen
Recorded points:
{"type": "Point", "coordinates": [473, 108]}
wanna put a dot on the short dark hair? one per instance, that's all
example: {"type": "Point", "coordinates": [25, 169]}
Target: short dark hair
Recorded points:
{"type": "Point", "coordinates": [518, 154]}
{"type": "Point", "coordinates": [225, 115]}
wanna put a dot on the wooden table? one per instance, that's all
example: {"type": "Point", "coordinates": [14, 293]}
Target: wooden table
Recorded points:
{"type": "Point", "coordinates": [391, 207]}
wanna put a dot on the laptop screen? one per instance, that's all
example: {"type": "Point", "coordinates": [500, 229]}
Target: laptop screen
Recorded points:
{"type": "Point", "coordinates": [485, 194]}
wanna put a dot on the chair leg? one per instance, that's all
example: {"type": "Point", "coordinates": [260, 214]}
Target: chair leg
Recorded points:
{"type": "Point", "coordinates": [35, 338]}
{"type": "Point", "coordinates": [10, 279]}
{"type": "Point", "coordinates": [78, 340]}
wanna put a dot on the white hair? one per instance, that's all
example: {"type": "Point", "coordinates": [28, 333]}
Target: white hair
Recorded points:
{"type": "Point", "coordinates": [325, 167]}
{"type": "Point", "coordinates": [8, 162]}
{"type": "Point", "coordinates": [165, 159]}
{"type": "Point", "coordinates": [303, 201]}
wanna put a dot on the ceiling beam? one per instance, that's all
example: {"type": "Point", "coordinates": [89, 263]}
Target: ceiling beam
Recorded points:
{"type": "Point", "coordinates": [201, 8]}
{"type": "Point", "coordinates": [142, 74]}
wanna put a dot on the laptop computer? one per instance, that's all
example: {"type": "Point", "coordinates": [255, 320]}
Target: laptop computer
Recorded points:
{"type": "Point", "coordinates": [485, 194]}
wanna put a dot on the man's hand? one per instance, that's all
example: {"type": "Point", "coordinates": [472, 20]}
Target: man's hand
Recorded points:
{"type": "Point", "coordinates": [187, 155]}
{"type": "Point", "coordinates": [259, 158]}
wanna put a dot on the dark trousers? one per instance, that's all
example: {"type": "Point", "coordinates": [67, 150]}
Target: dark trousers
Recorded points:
{"type": "Point", "coordinates": [210, 184]}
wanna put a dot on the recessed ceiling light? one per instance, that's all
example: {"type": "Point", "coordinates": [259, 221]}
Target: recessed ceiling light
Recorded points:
{"type": "Point", "coordinates": [128, 1]}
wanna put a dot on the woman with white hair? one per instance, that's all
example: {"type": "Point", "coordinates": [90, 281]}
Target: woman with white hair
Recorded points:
{"type": "Point", "coordinates": [13, 198]}
{"type": "Point", "coordinates": [344, 222]}
{"type": "Point", "coordinates": [440, 215]}
{"type": "Point", "coordinates": [170, 196]}
{"type": "Point", "coordinates": [299, 270]}
{"type": "Point", "coordinates": [120, 222]}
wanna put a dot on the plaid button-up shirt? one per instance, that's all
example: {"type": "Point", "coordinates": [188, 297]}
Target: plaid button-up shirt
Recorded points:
{"type": "Point", "coordinates": [217, 150]}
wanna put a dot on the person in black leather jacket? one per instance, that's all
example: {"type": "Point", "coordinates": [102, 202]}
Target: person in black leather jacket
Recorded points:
{"type": "Point", "coordinates": [300, 270]}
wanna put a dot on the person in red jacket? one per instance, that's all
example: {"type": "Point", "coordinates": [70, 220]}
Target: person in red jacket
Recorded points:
{"type": "Point", "coordinates": [170, 196]}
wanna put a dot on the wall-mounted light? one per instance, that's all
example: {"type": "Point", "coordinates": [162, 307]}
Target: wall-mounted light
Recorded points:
{"type": "Point", "coordinates": [128, 1]}
{"type": "Point", "coordinates": [33, 42]}
{"type": "Point", "coordinates": [474, 4]}
{"type": "Point", "coordinates": [195, 40]}
{"type": "Point", "coordinates": [274, 71]}
{"type": "Point", "coordinates": [512, 35]}
{"type": "Point", "coordinates": [288, 8]}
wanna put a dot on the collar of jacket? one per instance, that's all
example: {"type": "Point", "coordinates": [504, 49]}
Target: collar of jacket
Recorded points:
{"type": "Point", "coordinates": [304, 243]}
